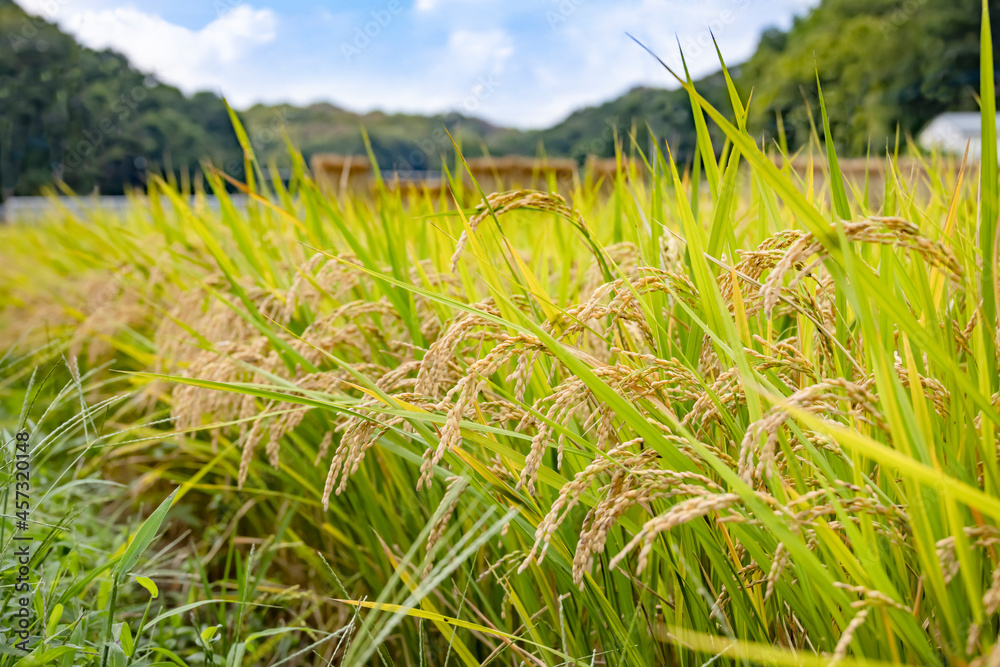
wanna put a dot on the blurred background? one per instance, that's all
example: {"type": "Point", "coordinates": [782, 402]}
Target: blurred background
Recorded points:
{"type": "Point", "coordinates": [95, 94]}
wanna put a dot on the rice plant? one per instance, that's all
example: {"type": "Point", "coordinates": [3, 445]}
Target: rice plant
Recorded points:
{"type": "Point", "coordinates": [730, 415]}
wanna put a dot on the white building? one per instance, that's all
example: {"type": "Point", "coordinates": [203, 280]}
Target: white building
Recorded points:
{"type": "Point", "coordinates": [951, 132]}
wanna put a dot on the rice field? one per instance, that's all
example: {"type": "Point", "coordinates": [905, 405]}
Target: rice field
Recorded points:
{"type": "Point", "coordinates": [723, 414]}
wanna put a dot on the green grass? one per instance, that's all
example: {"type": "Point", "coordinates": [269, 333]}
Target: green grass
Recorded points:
{"type": "Point", "coordinates": [753, 422]}
{"type": "Point", "coordinates": [100, 593]}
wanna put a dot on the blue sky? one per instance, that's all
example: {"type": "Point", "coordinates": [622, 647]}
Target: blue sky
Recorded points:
{"type": "Point", "coordinates": [512, 62]}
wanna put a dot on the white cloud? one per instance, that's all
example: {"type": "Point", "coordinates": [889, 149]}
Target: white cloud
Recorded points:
{"type": "Point", "coordinates": [520, 62]}
{"type": "Point", "coordinates": [451, 5]}
{"type": "Point", "coordinates": [584, 57]}
{"type": "Point", "coordinates": [190, 59]}
{"type": "Point", "coordinates": [479, 51]}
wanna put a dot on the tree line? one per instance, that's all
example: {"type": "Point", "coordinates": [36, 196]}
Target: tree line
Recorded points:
{"type": "Point", "coordinates": [89, 120]}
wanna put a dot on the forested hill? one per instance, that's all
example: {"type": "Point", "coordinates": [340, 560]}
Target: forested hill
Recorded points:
{"type": "Point", "coordinates": [399, 141]}
{"type": "Point", "coordinates": [882, 63]}
{"type": "Point", "coordinates": [406, 142]}
{"type": "Point", "coordinates": [91, 119]}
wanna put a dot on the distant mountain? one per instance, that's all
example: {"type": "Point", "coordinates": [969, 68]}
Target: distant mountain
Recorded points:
{"type": "Point", "coordinates": [399, 141]}
{"type": "Point", "coordinates": [89, 118]}
{"type": "Point", "coordinates": [592, 130]}
{"type": "Point", "coordinates": [406, 142]}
